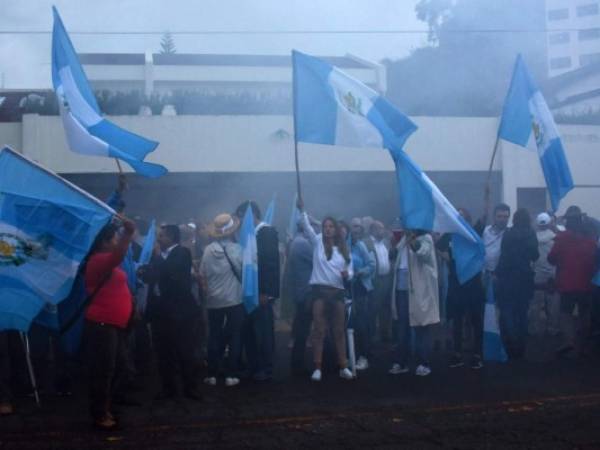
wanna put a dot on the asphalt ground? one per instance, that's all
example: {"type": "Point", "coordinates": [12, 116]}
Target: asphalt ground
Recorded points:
{"type": "Point", "coordinates": [537, 403]}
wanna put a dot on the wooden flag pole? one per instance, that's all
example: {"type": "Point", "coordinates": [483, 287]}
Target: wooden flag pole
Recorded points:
{"type": "Point", "coordinates": [119, 166]}
{"type": "Point", "coordinates": [298, 184]}
{"type": "Point", "coordinates": [488, 183]}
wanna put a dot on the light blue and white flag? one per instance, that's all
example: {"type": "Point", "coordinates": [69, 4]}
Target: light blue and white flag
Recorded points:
{"type": "Point", "coordinates": [527, 122]}
{"type": "Point", "coordinates": [424, 207]}
{"type": "Point", "coordinates": [86, 130]}
{"type": "Point", "coordinates": [294, 219]}
{"type": "Point", "coordinates": [493, 348]}
{"type": "Point", "coordinates": [249, 262]}
{"type": "Point", "coordinates": [333, 108]}
{"type": "Point", "coordinates": [148, 247]}
{"type": "Point", "coordinates": [270, 213]}
{"type": "Point", "coordinates": [47, 227]}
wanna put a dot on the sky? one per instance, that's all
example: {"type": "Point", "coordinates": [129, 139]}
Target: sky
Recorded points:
{"type": "Point", "coordinates": [25, 58]}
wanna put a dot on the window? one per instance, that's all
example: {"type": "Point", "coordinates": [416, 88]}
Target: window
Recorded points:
{"type": "Point", "coordinates": [590, 58]}
{"type": "Point", "coordinates": [590, 33]}
{"type": "Point", "coordinates": [558, 14]}
{"type": "Point", "coordinates": [590, 9]}
{"type": "Point", "coordinates": [560, 63]}
{"type": "Point", "coordinates": [559, 38]}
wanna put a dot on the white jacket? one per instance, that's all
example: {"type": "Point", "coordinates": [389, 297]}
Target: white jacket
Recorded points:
{"type": "Point", "coordinates": [423, 292]}
{"type": "Point", "coordinates": [223, 286]}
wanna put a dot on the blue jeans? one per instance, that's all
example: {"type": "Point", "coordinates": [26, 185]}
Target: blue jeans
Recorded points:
{"type": "Point", "coordinates": [422, 335]}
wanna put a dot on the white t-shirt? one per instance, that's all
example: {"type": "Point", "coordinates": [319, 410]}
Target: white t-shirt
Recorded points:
{"type": "Point", "coordinates": [383, 258]}
{"type": "Point", "coordinates": [325, 272]}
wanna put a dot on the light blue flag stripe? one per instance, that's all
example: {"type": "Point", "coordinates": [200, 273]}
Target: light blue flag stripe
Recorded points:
{"type": "Point", "coordinates": [493, 347]}
{"type": "Point", "coordinates": [148, 247]}
{"type": "Point", "coordinates": [596, 279]}
{"type": "Point", "coordinates": [527, 122]}
{"type": "Point", "coordinates": [424, 207]}
{"type": "Point", "coordinates": [270, 213]}
{"type": "Point", "coordinates": [249, 262]}
{"type": "Point", "coordinates": [333, 108]}
{"type": "Point", "coordinates": [86, 130]}
{"type": "Point", "coordinates": [47, 227]}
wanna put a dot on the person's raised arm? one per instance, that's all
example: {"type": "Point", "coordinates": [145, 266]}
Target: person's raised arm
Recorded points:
{"type": "Point", "coordinates": [306, 226]}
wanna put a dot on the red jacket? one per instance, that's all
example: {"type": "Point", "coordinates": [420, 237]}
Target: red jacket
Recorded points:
{"type": "Point", "coordinates": [112, 304]}
{"type": "Point", "coordinates": [574, 256]}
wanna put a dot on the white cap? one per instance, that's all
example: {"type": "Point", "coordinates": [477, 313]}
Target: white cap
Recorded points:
{"type": "Point", "coordinates": [543, 219]}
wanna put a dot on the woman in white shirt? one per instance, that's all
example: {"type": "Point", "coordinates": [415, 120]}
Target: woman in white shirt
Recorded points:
{"type": "Point", "coordinates": [332, 265]}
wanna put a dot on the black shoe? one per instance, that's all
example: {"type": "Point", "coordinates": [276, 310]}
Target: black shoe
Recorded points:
{"type": "Point", "coordinates": [124, 400]}
{"type": "Point", "coordinates": [194, 394]}
{"type": "Point", "coordinates": [456, 361]}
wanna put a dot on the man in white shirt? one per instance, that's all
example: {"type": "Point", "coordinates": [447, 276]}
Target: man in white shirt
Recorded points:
{"type": "Point", "coordinates": [493, 234]}
{"type": "Point", "coordinates": [382, 282]}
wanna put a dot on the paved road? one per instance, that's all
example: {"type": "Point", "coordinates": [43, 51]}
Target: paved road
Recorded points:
{"type": "Point", "coordinates": [539, 403]}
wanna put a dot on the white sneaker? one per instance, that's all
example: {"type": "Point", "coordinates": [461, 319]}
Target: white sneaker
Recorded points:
{"type": "Point", "coordinates": [397, 369]}
{"type": "Point", "coordinates": [231, 381]}
{"type": "Point", "coordinates": [316, 375]}
{"type": "Point", "coordinates": [346, 374]}
{"type": "Point", "coordinates": [422, 371]}
{"type": "Point", "coordinates": [211, 381]}
{"type": "Point", "coordinates": [362, 363]}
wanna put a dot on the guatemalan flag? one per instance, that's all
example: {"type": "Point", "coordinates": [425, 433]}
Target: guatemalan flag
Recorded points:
{"type": "Point", "coordinates": [333, 108]}
{"type": "Point", "coordinates": [47, 227]}
{"type": "Point", "coordinates": [249, 262]}
{"type": "Point", "coordinates": [527, 122]}
{"type": "Point", "coordinates": [86, 130]}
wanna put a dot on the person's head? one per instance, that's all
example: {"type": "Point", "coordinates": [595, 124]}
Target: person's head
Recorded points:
{"type": "Point", "coordinates": [168, 236]}
{"type": "Point", "coordinates": [466, 215]}
{"type": "Point", "coordinates": [522, 219]}
{"type": "Point", "coordinates": [335, 234]}
{"type": "Point", "coordinates": [107, 239]}
{"type": "Point", "coordinates": [367, 221]}
{"type": "Point", "coordinates": [501, 216]}
{"type": "Point", "coordinates": [377, 230]}
{"type": "Point", "coordinates": [356, 229]}
{"type": "Point", "coordinates": [574, 219]}
{"type": "Point", "coordinates": [223, 226]}
{"type": "Point", "coordinates": [241, 210]}
{"type": "Point", "coordinates": [543, 221]}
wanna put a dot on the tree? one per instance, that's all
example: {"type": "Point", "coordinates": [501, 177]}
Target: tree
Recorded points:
{"type": "Point", "coordinates": [167, 44]}
{"type": "Point", "coordinates": [466, 68]}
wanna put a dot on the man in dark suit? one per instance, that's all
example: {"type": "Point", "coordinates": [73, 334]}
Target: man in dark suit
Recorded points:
{"type": "Point", "coordinates": [174, 312]}
{"type": "Point", "coordinates": [259, 334]}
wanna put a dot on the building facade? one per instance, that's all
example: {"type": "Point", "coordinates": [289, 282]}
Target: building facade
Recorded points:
{"type": "Point", "coordinates": [573, 40]}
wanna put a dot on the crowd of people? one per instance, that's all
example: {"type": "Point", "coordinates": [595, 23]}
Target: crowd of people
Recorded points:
{"type": "Point", "coordinates": [184, 310]}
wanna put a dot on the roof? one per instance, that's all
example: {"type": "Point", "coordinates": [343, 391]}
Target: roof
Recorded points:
{"type": "Point", "coordinates": [577, 98]}
{"type": "Point", "coordinates": [195, 59]}
{"type": "Point", "coordinates": [567, 78]}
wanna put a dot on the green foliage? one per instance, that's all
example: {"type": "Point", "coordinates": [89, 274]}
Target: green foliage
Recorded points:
{"type": "Point", "coordinates": [467, 71]}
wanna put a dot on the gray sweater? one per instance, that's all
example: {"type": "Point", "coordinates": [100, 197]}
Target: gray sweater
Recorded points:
{"type": "Point", "coordinates": [224, 289]}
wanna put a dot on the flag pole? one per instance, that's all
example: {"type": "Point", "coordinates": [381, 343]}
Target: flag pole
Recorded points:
{"type": "Point", "coordinates": [26, 347]}
{"type": "Point", "coordinates": [298, 184]}
{"type": "Point", "coordinates": [119, 166]}
{"type": "Point", "coordinates": [294, 100]}
{"type": "Point", "coordinates": [488, 183]}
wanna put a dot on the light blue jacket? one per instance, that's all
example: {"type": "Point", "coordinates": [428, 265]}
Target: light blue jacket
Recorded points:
{"type": "Point", "coordinates": [364, 264]}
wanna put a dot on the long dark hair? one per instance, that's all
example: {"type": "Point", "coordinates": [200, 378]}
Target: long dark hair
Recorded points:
{"type": "Point", "coordinates": [522, 219]}
{"type": "Point", "coordinates": [338, 242]}
{"type": "Point", "coordinates": [105, 235]}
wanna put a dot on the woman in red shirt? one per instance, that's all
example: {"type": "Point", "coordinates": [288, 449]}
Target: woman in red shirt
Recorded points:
{"type": "Point", "coordinates": [107, 316]}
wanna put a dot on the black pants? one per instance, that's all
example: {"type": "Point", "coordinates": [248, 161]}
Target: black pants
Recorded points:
{"type": "Point", "coordinates": [466, 303]}
{"type": "Point", "coordinates": [363, 312]}
{"type": "Point", "coordinates": [175, 348]}
{"type": "Point", "coordinates": [301, 328]}
{"type": "Point", "coordinates": [5, 366]}
{"type": "Point", "coordinates": [103, 349]}
{"type": "Point", "coordinates": [225, 328]}
{"type": "Point", "coordinates": [259, 340]}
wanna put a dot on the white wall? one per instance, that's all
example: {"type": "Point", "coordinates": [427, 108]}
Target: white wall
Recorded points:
{"type": "Point", "coordinates": [250, 144]}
